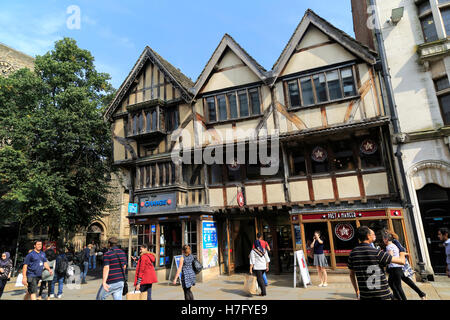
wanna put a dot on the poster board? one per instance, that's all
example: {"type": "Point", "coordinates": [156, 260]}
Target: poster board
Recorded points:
{"type": "Point", "coordinates": [174, 268]}
{"type": "Point", "coordinates": [300, 261]}
{"type": "Point", "coordinates": [210, 249]}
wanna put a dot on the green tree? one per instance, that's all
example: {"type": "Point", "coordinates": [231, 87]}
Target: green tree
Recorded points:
{"type": "Point", "coordinates": [55, 147]}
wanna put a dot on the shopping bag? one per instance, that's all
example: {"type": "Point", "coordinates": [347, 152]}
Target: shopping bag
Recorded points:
{"type": "Point", "coordinates": [19, 280]}
{"type": "Point", "coordinates": [250, 284]}
{"type": "Point", "coordinates": [137, 295]}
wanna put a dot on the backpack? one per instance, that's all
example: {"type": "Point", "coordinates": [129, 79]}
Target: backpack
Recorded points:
{"type": "Point", "coordinates": [63, 265]}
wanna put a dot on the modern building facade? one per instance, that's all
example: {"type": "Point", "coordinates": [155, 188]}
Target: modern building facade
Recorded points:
{"type": "Point", "coordinates": [302, 147]}
{"type": "Point", "coordinates": [415, 39]}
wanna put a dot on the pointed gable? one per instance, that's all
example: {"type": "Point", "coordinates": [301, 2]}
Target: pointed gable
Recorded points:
{"type": "Point", "coordinates": [313, 31]}
{"type": "Point", "coordinates": [229, 57]}
{"type": "Point", "coordinates": [161, 80]}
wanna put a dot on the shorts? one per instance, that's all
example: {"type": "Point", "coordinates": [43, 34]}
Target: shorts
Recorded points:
{"type": "Point", "coordinates": [33, 284]}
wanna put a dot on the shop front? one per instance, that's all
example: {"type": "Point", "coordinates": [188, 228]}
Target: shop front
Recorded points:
{"type": "Point", "coordinates": [166, 227]}
{"type": "Point", "coordinates": [338, 230]}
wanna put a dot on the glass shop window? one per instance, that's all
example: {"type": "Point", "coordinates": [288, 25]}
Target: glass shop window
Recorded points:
{"type": "Point", "coordinates": [343, 155]}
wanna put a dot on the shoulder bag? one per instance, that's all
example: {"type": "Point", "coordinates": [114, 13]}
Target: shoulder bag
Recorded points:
{"type": "Point", "coordinates": [125, 284]}
{"type": "Point", "coordinates": [196, 265]}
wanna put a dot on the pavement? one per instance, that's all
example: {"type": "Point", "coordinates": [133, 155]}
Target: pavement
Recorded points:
{"type": "Point", "coordinates": [231, 288]}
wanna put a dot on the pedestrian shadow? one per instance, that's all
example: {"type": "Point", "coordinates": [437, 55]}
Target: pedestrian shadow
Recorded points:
{"type": "Point", "coordinates": [17, 292]}
{"type": "Point", "coordinates": [233, 282]}
{"type": "Point", "coordinates": [237, 292]}
{"type": "Point", "coordinates": [347, 296]}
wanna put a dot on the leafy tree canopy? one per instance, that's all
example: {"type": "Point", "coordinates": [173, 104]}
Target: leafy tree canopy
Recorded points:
{"type": "Point", "coordinates": [55, 147]}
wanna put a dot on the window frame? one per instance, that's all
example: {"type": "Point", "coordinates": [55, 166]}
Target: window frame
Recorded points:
{"type": "Point", "coordinates": [439, 95]}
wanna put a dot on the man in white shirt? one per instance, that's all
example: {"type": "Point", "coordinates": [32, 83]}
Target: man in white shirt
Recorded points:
{"type": "Point", "coordinates": [443, 236]}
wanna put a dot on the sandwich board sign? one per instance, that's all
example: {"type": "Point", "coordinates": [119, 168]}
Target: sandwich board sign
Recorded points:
{"type": "Point", "coordinates": [299, 258]}
{"type": "Point", "coordinates": [174, 268]}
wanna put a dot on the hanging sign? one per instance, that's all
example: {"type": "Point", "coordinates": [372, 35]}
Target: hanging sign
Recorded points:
{"type": "Point", "coordinates": [368, 147]}
{"type": "Point", "coordinates": [240, 199]}
{"type": "Point", "coordinates": [133, 208]}
{"type": "Point", "coordinates": [319, 154]}
{"type": "Point", "coordinates": [344, 231]}
{"type": "Point", "coordinates": [235, 166]}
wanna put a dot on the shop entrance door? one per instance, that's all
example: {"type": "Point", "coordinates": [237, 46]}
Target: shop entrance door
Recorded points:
{"type": "Point", "coordinates": [242, 235]}
{"type": "Point", "coordinates": [227, 248]}
{"type": "Point", "coordinates": [310, 228]}
{"type": "Point", "coordinates": [435, 211]}
{"type": "Point", "coordinates": [170, 242]}
{"type": "Point", "coordinates": [344, 240]}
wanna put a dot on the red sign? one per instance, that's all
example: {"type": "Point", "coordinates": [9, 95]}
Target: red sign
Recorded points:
{"type": "Point", "coordinates": [240, 199]}
{"type": "Point", "coordinates": [344, 231]}
{"type": "Point", "coordinates": [396, 213]}
{"type": "Point", "coordinates": [344, 215]}
{"type": "Point", "coordinates": [49, 245]}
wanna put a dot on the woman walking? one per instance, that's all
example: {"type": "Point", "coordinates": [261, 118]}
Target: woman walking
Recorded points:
{"type": "Point", "coordinates": [145, 274]}
{"type": "Point", "coordinates": [259, 262]}
{"type": "Point", "coordinates": [187, 273]}
{"type": "Point", "coordinates": [395, 270]}
{"type": "Point", "coordinates": [320, 261]}
{"type": "Point", "coordinates": [47, 278]}
{"type": "Point", "coordinates": [5, 271]}
{"type": "Point", "coordinates": [406, 279]}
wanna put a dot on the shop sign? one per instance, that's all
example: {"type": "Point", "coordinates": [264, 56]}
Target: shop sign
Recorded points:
{"type": "Point", "coordinates": [368, 147]}
{"type": "Point", "coordinates": [396, 213]}
{"type": "Point", "coordinates": [157, 203]}
{"type": "Point", "coordinates": [240, 199]}
{"type": "Point", "coordinates": [133, 208]}
{"type": "Point", "coordinates": [344, 231]}
{"type": "Point", "coordinates": [319, 154]}
{"type": "Point", "coordinates": [298, 235]}
{"type": "Point", "coordinates": [49, 245]}
{"type": "Point", "coordinates": [210, 251]}
{"type": "Point", "coordinates": [344, 215]}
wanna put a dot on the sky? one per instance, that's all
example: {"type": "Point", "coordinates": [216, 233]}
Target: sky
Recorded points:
{"type": "Point", "coordinates": [185, 33]}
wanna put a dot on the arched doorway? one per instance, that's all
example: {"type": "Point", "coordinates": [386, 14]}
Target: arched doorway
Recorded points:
{"type": "Point", "coordinates": [95, 234]}
{"type": "Point", "coordinates": [434, 203]}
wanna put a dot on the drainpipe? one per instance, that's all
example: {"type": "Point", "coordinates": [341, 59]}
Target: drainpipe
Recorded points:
{"type": "Point", "coordinates": [397, 134]}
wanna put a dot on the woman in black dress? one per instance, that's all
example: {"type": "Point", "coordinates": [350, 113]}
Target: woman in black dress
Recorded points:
{"type": "Point", "coordinates": [187, 273]}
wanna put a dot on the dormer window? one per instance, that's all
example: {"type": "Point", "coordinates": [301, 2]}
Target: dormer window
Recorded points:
{"type": "Point", "coordinates": [236, 104]}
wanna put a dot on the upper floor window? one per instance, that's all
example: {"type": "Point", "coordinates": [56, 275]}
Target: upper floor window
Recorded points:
{"type": "Point", "coordinates": [443, 93]}
{"type": "Point", "coordinates": [233, 105]}
{"type": "Point", "coordinates": [427, 21]}
{"type": "Point", "coordinates": [321, 87]}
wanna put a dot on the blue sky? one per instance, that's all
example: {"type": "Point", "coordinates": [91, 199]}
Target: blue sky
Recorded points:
{"type": "Point", "coordinates": [184, 32]}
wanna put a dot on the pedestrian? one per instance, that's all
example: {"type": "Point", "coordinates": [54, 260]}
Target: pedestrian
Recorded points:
{"type": "Point", "coordinates": [145, 271]}
{"type": "Point", "coordinates": [84, 263]}
{"type": "Point", "coordinates": [265, 246]}
{"type": "Point", "coordinates": [61, 266]}
{"type": "Point", "coordinates": [47, 278]}
{"type": "Point", "coordinates": [443, 236]}
{"type": "Point", "coordinates": [366, 267]}
{"type": "Point", "coordinates": [115, 264]}
{"type": "Point", "coordinates": [394, 270]}
{"type": "Point", "coordinates": [259, 262]}
{"type": "Point", "coordinates": [406, 279]}
{"type": "Point", "coordinates": [6, 267]}
{"type": "Point", "coordinates": [320, 261]}
{"type": "Point", "coordinates": [33, 266]}
{"type": "Point", "coordinates": [187, 273]}
{"type": "Point", "coordinates": [92, 255]}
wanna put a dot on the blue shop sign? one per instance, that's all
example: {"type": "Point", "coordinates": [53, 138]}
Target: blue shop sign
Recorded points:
{"type": "Point", "coordinates": [209, 235]}
{"type": "Point", "coordinates": [133, 208]}
{"type": "Point", "coordinates": [157, 203]}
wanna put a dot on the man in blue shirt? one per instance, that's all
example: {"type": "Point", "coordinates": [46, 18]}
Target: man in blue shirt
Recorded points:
{"type": "Point", "coordinates": [85, 257]}
{"type": "Point", "coordinates": [34, 264]}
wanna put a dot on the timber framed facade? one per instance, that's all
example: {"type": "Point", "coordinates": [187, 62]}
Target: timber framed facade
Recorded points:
{"type": "Point", "coordinates": [321, 102]}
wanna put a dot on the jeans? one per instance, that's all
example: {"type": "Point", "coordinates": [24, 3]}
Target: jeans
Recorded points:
{"type": "Point", "coordinates": [85, 271]}
{"type": "Point", "coordinates": [265, 279]}
{"type": "Point", "coordinates": [115, 289]}
{"type": "Point", "coordinates": [395, 282]}
{"type": "Point", "coordinates": [57, 280]}
{"type": "Point", "coordinates": [148, 288]}
{"type": "Point", "coordinates": [259, 277]}
{"type": "Point", "coordinates": [92, 260]}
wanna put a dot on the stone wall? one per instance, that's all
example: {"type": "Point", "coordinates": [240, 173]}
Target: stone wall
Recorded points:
{"type": "Point", "coordinates": [12, 60]}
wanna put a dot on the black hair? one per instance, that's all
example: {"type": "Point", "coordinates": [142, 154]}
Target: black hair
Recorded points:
{"type": "Point", "coordinates": [36, 241]}
{"type": "Point", "coordinates": [363, 233]}
{"type": "Point", "coordinates": [258, 235]}
{"type": "Point", "coordinates": [146, 246]}
{"type": "Point", "coordinates": [50, 254]}
{"type": "Point", "coordinates": [443, 231]}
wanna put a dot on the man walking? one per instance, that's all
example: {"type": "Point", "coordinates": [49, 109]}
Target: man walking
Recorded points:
{"type": "Point", "coordinates": [85, 255]}
{"type": "Point", "coordinates": [92, 255]}
{"type": "Point", "coordinates": [366, 267]}
{"type": "Point", "coordinates": [443, 236]}
{"type": "Point", "coordinates": [113, 272]}
{"type": "Point", "coordinates": [62, 264]}
{"type": "Point", "coordinates": [34, 264]}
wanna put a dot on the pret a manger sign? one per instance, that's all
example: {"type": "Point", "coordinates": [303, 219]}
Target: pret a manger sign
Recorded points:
{"type": "Point", "coordinates": [341, 215]}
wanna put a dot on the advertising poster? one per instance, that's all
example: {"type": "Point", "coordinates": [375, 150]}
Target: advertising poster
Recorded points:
{"type": "Point", "coordinates": [210, 249]}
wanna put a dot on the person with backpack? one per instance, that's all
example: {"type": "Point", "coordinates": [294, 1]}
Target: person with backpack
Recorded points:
{"type": "Point", "coordinates": [47, 278]}
{"type": "Point", "coordinates": [187, 272]}
{"type": "Point", "coordinates": [6, 266]}
{"type": "Point", "coordinates": [84, 266]}
{"type": "Point", "coordinates": [62, 264]}
{"type": "Point", "coordinates": [145, 271]}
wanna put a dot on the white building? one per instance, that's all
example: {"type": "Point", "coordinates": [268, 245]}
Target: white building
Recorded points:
{"type": "Point", "coordinates": [418, 57]}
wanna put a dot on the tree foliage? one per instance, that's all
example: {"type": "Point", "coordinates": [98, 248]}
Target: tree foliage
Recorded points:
{"type": "Point", "coordinates": [55, 147]}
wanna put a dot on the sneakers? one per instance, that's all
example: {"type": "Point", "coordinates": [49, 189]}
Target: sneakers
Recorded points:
{"type": "Point", "coordinates": [325, 284]}
{"type": "Point", "coordinates": [321, 284]}
{"type": "Point", "coordinates": [59, 296]}
{"type": "Point", "coordinates": [52, 295]}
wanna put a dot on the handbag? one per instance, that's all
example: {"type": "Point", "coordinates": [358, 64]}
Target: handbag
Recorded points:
{"type": "Point", "coordinates": [407, 270]}
{"type": "Point", "coordinates": [250, 284]}
{"type": "Point", "coordinates": [125, 284]}
{"type": "Point", "coordinates": [196, 266]}
{"type": "Point", "coordinates": [137, 295]}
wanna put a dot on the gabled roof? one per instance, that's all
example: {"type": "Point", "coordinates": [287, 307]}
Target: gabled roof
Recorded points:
{"type": "Point", "coordinates": [311, 18]}
{"type": "Point", "coordinates": [175, 76]}
{"type": "Point", "coordinates": [228, 42]}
